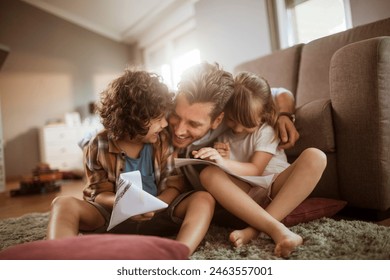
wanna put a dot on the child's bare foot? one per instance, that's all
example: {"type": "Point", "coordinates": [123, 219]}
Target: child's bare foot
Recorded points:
{"type": "Point", "coordinates": [243, 236]}
{"type": "Point", "coordinates": [287, 244]}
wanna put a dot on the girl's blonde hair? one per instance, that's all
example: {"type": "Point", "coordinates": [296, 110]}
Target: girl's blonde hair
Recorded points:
{"type": "Point", "coordinates": [252, 103]}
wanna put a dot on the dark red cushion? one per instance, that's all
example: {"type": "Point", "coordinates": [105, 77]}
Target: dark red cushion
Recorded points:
{"type": "Point", "coordinates": [310, 209]}
{"type": "Point", "coordinates": [314, 208]}
{"type": "Point", "coordinates": [99, 247]}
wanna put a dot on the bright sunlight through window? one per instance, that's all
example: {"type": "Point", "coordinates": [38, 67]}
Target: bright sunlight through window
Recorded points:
{"type": "Point", "coordinates": [171, 73]}
{"type": "Point", "coordinates": [313, 19]}
{"type": "Point", "coordinates": [183, 62]}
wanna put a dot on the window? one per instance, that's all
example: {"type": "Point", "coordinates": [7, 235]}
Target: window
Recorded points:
{"type": "Point", "coordinates": [301, 21]}
{"type": "Point", "coordinates": [183, 62]}
{"type": "Point", "coordinates": [170, 58]}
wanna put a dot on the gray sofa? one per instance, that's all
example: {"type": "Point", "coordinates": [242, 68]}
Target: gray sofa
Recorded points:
{"type": "Point", "coordinates": [342, 88]}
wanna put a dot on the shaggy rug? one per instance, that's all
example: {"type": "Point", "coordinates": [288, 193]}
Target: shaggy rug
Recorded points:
{"type": "Point", "coordinates": [324, 239]}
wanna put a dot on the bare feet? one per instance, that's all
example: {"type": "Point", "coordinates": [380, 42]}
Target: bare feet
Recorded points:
{"type": "Point", "coordinates": [287, 244]}
{"type": "Point", "coordinates": [243, 236]}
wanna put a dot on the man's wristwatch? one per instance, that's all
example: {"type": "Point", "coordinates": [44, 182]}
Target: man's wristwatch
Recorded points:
{"type": "Point", "coordinates": [291, 116]}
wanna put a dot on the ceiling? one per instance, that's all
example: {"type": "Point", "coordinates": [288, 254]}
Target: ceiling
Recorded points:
{"type": "Point", "coordinates": [120, 20]}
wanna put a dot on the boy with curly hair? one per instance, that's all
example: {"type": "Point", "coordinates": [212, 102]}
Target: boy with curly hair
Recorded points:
{"type": "Point", "coordinates": [133, 112]}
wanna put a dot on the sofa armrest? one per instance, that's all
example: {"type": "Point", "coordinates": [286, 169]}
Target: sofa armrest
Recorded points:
{"type": "Point", "coordinates": [360, 96]}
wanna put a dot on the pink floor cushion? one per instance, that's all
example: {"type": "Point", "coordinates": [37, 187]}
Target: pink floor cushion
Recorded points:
{"type": "Point", "coordinates": [99, 247]}
{"type": "Point", "coordinates": [314, 208]}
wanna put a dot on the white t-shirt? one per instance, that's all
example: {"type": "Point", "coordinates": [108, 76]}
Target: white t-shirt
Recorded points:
{"type": "Point", "coordinates": [242, 147]}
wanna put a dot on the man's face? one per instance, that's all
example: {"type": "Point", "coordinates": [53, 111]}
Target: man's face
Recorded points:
{"type": "Point", "coordinates": [190, 122]}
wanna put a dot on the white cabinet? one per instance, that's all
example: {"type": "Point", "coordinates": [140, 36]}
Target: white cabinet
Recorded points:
{"type": "Point", "coordinates": [59, 147]}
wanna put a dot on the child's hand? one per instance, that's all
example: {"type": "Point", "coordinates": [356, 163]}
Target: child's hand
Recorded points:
{"type": "Point", "coordinates": [208, 153]}
{"type": "Point", "coordinates": [223, 149]}
{"type": "Point", "coordinates": [143, 217]}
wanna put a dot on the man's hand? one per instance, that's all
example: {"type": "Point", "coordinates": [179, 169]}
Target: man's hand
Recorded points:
{"type": "Point", "coordinates": [287, 132]}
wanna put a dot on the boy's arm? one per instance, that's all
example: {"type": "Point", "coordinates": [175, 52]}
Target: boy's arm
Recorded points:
{"type": "Point", "coordinates": [96, 174]}
{"type": "Point", "coordinates": [174, 187]}
{"type": "Point", "coordinates": [168, 195]}
{"type": "Point", "coordinates": [106, 199]}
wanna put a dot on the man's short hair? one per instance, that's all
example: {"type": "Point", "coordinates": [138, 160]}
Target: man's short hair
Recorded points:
{"type": "Point", "coordinates": [204, 83]}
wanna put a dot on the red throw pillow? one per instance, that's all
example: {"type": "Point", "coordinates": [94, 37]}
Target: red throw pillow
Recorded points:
{"type": "Point", "coordinates": [99, 247]}
{"type": "Point", "coordinates": [314, 208]}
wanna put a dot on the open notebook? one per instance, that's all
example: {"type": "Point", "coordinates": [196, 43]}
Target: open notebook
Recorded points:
{"type": "Point", "coordinates": [131, 199]}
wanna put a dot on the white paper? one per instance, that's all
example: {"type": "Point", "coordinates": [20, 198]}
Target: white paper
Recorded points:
{"type": "Point", "coordinates": [131, 199]}
{"type": "Point", "coordinates": [262, 181]}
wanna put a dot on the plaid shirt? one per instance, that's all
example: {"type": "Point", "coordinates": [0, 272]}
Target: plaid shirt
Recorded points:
{"type": "Point", "coordinates": [104, 162]}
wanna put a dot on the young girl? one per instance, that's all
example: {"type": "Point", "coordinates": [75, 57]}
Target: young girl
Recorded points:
{"type": "Point", "coordinates": [132, 111]}
{"type": "Point", "coordinates": [250, 148]}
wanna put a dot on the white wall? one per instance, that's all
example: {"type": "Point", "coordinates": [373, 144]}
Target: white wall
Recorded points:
{"type": "Point", "coordinates": [230, 32]}
{"type": "Point", "coordinates": [363, 11]}
{"type": "Point", "coordinates": [53, 67]}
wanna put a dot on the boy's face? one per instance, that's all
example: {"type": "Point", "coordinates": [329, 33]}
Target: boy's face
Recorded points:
{"type": "Point", "coordinates": [156, 126]}
{"type": "Point", "coordinates": [190, 122]}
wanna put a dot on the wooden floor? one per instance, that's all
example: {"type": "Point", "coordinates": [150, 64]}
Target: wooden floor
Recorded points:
{"type": "Point", "coordinates": [16, 206]}
{"type": "Point", "coordinates": [19, 205]}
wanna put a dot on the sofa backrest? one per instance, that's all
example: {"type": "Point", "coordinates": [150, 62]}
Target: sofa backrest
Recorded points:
{"type": "Point", "coordinates": [279, 68]}
{"type": "Point", "coordinates": [313, 79]}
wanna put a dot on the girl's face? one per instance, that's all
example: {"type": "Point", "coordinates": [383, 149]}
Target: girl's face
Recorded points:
{"type": "Point", "coordinates": [156, 126]}
{"type": "Point", "coordinates": [238, 128]}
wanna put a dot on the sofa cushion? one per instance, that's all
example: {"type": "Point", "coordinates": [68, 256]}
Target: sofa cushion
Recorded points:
{"type": "Point", "coordinates": [279, 68]}
{"type": "Point", "coordinates": [315, 127]}
{"type": "Point", "coordinates": [313, 80]}
{"type": "Point", "coordinates": [99, 247]}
